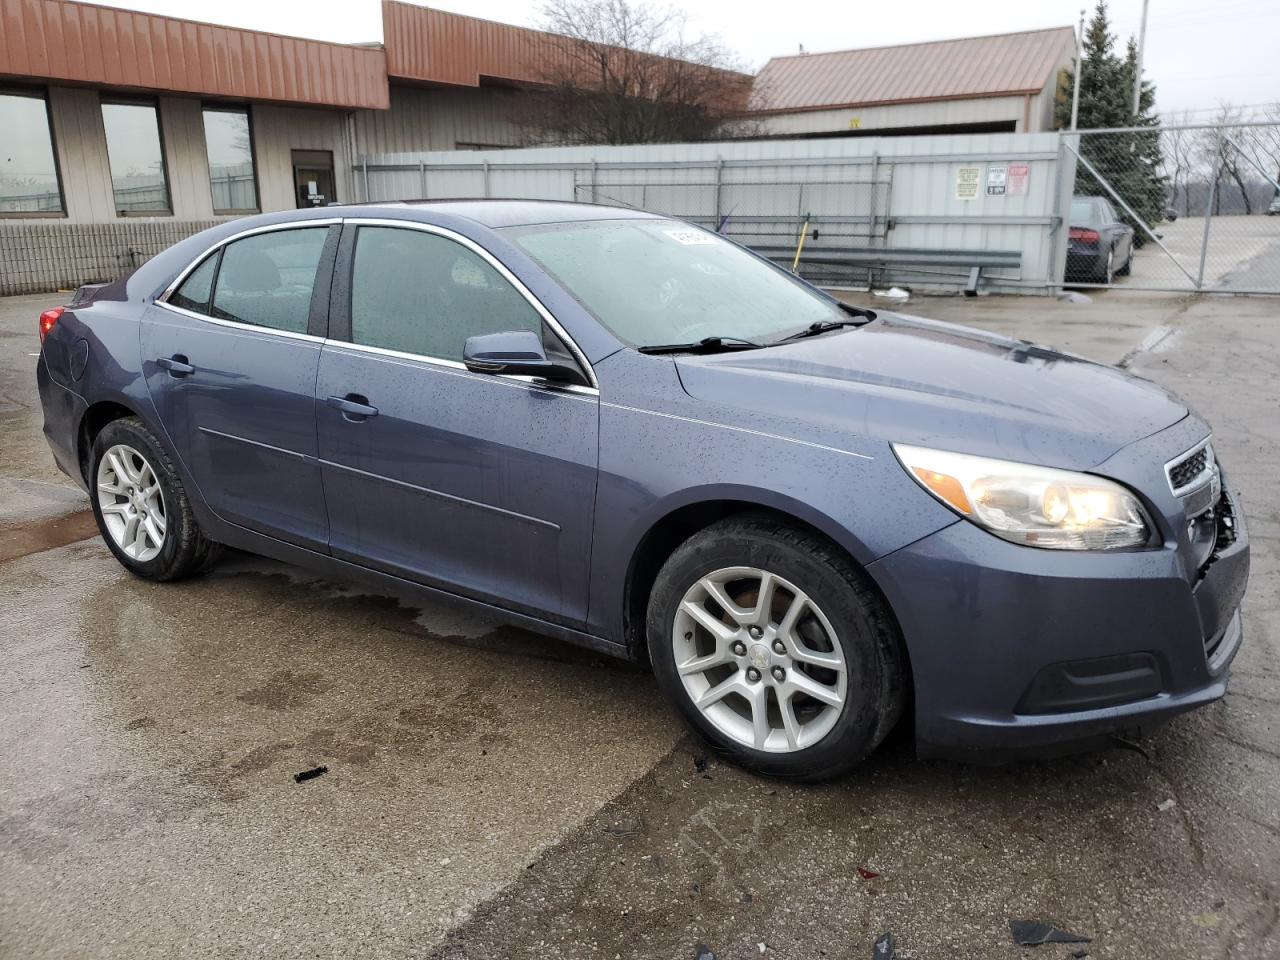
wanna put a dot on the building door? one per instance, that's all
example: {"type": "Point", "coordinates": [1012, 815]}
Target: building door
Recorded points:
{"type": "Point", "coordinates": [313, 180]}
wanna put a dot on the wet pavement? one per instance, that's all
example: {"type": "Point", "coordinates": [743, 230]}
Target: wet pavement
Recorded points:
{"type": "Point", "coordinates": [494, 794]}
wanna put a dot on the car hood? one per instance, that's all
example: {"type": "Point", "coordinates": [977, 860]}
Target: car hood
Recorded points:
{"type": "Point", "coordinates": [924, 382]}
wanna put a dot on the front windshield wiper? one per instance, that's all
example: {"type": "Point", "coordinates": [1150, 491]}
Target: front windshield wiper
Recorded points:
{"type": "Point", "coordinates": [822, 326]}
{"type": "Point", "coordinates": [705, 345]}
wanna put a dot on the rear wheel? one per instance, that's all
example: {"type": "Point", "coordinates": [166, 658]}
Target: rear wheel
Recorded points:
{"type": "Point", "coordinates": [776, 649]}
{"type": "Point", "coordinates": [1109, 267]}
{"type": "Point", "coordinates": [1125, 270]}
{"type": "Point", "coordinates": [141, 506]}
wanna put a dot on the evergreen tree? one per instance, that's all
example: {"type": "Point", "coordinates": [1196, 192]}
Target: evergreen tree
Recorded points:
{"type": "Point", "coordinates": [1129, 162]}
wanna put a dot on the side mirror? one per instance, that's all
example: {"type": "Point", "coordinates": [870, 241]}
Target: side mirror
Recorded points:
{"type": "Point", "coordinates": [518, 352]}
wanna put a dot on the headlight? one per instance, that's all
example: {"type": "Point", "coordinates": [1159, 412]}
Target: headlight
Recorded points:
{"type": "Point", "coordinates": [1033, 506]}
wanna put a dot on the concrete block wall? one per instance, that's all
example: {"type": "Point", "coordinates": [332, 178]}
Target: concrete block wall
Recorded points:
{"type": "Point", "coordinates": [39, 257]}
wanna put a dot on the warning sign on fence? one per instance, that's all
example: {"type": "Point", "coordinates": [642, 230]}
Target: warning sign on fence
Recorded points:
{"type": "Point", "coordinates": [1019, 179]}
{"type": "Point", "coordinates": [967, 183]}
{"type": "Point", "coordinates": [997, 181]}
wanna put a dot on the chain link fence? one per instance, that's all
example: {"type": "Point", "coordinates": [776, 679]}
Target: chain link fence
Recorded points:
{"type": "Point", "coordinates": [1191, 208]}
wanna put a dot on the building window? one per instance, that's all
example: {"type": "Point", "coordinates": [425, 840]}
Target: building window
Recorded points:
{"type": "Point", "coordinates": [29, 183]}
{"type": "Point", "coordinates": [138, 176]}
{"type": "Point", "coordinates": [229, 145]}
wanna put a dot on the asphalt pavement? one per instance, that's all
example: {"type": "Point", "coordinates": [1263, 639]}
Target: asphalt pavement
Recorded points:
{"type": "Point", "coordinates": [490, 793]}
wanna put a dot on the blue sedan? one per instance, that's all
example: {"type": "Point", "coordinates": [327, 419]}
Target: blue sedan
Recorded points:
{"type": "Point", "coordinates": [630, 433]}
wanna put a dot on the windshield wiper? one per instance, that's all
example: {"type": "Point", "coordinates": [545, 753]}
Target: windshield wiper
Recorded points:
{"type": "Point", "coordinates": [705, 345]}
{"type": "Point", "coordinates": [822, 326]}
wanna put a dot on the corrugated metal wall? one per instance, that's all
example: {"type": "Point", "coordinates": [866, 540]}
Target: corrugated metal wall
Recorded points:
{"type": "Point", "coordinates": [439, 118]}
{"type": "Point", "coordinates": [895, 193]}
{"type": "Point", "coordinates": [933, 114]}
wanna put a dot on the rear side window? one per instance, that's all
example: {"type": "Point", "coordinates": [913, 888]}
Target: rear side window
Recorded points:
{"type": "Point", "coordinates": [266, 279]}
{"type": "Point", "coordinates": [195, 290]}
{"type": "Point", "coordinates": [420, 293]}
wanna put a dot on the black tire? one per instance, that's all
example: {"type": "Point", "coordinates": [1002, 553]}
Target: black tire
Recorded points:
{"type": "Point", "coordinates": [1128, 265]}
{"type": "Point", "coordinates": [1106, 267]}
{"type": "Point", "coordinates": [186, 550]}
{"type": "Point", "coordinates": [868, 637]}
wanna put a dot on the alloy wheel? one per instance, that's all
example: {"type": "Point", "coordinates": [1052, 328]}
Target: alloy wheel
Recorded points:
{"type": "Point", "coordinates": [131, 502]}
{"type": "Point", "coordinates": [759, 659]}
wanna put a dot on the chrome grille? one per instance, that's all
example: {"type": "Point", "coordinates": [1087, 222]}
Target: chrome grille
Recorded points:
{"type": "Point", "coordinates": [1191, 469]}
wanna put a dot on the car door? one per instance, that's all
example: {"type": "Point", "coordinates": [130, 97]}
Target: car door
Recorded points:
{"type": "Point", "coordinates": [479, 484]}
{"type": "Point", "coordinates": [230, 355]}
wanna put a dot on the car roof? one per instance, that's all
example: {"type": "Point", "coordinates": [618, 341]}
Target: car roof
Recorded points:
{"type": "Point", "coordinates": [508, 213]}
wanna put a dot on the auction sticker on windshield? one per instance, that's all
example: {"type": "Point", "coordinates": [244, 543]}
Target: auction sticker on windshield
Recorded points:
{"type": "Point", "coordinates": [689, 237]}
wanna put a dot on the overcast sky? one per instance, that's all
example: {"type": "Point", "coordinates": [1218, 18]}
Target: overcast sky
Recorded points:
{"type": "Point", "coordinates": [1198, 52]}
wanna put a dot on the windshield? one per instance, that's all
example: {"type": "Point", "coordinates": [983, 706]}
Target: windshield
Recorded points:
{"type": "Point", "coordinates": [654, 282]}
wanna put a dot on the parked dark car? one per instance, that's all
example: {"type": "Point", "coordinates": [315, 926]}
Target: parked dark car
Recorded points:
{"type": "Point", "coordinates": [1099, 243]}
{"type": "Point", "coordinates": [630, 433]}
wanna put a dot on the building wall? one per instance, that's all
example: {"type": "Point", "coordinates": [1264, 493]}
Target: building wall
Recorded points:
{"type": "Point", "coordinates": [92, 242]}
{"type": "Point", "coordinates": [440, 118]}
{"type": "Point", "coordinates": [937, 113]}
{"type": "Point", "coordinates": [81, 148]}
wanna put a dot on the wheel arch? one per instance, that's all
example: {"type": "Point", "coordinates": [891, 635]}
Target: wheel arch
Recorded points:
{"type": "Point", "coordinates": [681, 522]}
{"type": "Point", "coordinates": [93, 422]}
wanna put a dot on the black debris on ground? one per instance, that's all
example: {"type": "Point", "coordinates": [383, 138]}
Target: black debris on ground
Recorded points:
{"type": "Point", "coordinates": [703, 952]}
{"type": "Point", "coordinates": [884, 947]}
{"type": "Point", "coordinates": [311, 774]}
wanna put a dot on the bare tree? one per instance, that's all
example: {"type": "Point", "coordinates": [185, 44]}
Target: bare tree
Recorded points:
{"type": "Point", "coordinates": [1179, 161]}
{"type": "Point", "coordinates": [613, 71]}
{"type": "Point", "coordinates": [1260, 145]}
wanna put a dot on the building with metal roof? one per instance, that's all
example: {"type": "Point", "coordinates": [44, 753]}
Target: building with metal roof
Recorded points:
{"type": "Point", "coordinates": [993, 84]}
{"type": "Point", "coordinates": [122, 132]}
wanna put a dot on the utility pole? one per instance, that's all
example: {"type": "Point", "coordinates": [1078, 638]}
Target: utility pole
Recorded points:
{"type": "Point", "coordinates": [1075, 82]}
{"type": "Point", "coordinates": [1137, 70]}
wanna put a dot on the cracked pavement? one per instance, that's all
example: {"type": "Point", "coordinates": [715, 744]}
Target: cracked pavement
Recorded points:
{"type": "Point", "coordinates": [494, 794]}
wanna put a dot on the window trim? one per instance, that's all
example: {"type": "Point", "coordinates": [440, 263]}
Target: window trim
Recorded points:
{"type": "Point", "coordinates": [104, 101]}
{"type": "Point", "coordinates": [40, 93]}
{"type": "Point", "coordinates": [247, 110]}
{"type": "Point", "coordinates": [162, 299]}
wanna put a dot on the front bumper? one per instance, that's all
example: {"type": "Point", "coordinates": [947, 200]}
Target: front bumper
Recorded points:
{"type": "Point", "coordinates": [1017, 650]}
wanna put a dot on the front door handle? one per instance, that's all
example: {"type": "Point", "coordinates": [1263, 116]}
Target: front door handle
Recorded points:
{"type": "Point", "coordinates": [353, 407]}
{"type": "Point", "coordinates": [177, 365]}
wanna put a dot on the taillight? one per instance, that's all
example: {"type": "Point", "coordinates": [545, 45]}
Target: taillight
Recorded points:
{"type": "Point", "coordinates": [48, 320]}
{"type": "Point", "coordinates": [1083, 235]}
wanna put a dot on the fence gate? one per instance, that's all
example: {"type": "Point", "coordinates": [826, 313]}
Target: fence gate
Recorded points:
{"type": "Point", "coordinates": [1192, 208]}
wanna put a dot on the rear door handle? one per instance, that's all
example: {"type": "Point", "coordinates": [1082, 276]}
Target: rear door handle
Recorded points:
{"type": "Point", "coordinates": [177, 365]}
{"type": "Point", "coordinates": [353, 407]}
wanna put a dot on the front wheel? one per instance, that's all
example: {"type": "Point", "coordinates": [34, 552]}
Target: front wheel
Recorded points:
{"type": "Point", "coordinates": [141, 506]}
{"type": "Point", "coordinates": [776, 649]}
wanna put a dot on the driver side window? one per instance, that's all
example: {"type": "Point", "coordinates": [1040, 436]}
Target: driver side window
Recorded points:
{"type": "Point", "coordinates": [420, 293]}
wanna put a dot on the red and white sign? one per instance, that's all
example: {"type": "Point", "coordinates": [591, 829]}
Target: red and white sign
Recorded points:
{"type": "Point", "coordinates": [1019, 179]}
